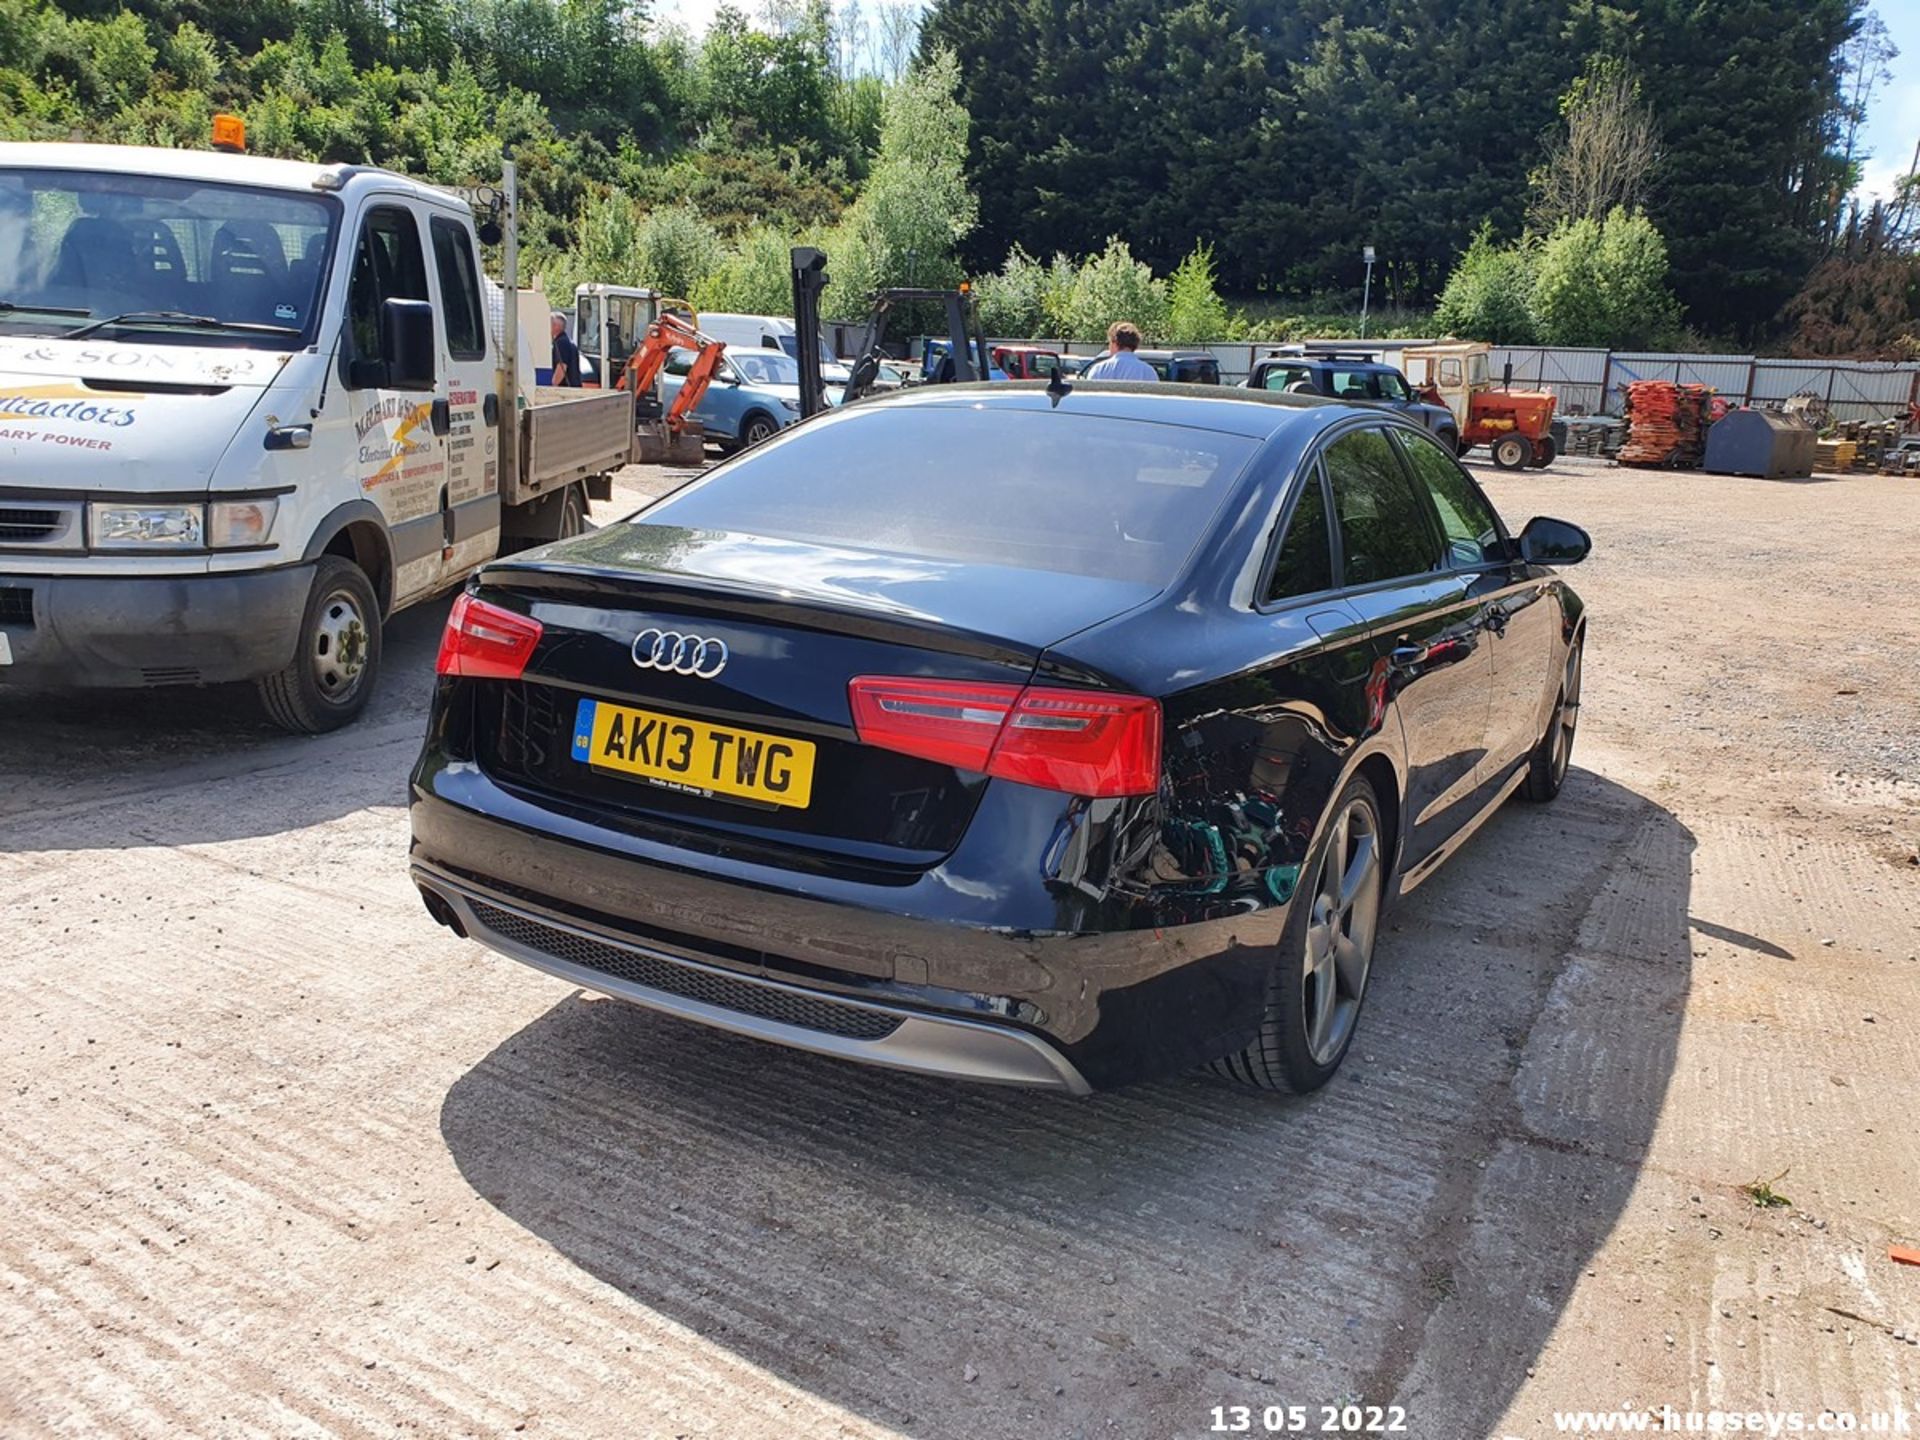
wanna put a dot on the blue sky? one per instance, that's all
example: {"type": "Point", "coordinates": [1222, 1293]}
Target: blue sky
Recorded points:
{"type": "Point", "coordinates": [1893, 118]}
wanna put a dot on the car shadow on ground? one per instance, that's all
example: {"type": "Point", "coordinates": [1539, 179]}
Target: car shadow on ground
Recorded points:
{"type": "Point", "coordinates": [974, 1262]}
{"type": "Point", "coordinates": [112, 769]}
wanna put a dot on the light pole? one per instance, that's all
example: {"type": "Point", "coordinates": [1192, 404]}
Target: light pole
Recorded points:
{"type": "Point", "coordinates": [1366, 291]}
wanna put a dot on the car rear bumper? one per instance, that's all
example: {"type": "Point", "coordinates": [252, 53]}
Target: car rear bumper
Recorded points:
{"type": "Point", "coordinates": [127, 631]}
{"type": "Point", "coordinates": [612, 964]}
{"type": "Point", "coordinates": [891, 970]}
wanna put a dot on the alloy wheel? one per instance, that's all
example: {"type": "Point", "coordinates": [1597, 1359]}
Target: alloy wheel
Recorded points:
{"type": "Point", "coordinates": [1567, 718]}
{"type": "Point", "coordinates": [1340, 931]}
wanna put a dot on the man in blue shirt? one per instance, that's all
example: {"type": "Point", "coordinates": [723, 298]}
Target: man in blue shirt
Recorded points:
{"type": "Point", "coordinates": [566, 356]}
{"type": "Point", "coordinates": [1123, 338]}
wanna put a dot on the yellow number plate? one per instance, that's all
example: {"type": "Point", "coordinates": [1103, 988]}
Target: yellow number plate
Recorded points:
{"type": "Point", "coordinates": [693, 755]}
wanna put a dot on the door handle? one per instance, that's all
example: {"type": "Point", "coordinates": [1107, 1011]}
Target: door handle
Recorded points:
{"type": "Point", "coordinates": [442, 417]}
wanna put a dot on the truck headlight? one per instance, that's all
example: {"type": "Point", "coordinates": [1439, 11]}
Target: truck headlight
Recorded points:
{"type": "Point", "coordinates": [237, 524]}
{"type": "Point", "coordinates": [113, 525]}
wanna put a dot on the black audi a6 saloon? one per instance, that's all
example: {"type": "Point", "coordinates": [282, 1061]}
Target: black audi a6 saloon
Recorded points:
{"type": "Point", "coordinates": [1057, 739]}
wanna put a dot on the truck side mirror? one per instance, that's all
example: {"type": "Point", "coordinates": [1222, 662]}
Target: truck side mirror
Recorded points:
{"type": "Point", "coordinates": [406, 344]}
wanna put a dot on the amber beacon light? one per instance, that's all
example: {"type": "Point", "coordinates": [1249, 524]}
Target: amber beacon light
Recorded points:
{"type": "Point", "coordinates": [229, 133]}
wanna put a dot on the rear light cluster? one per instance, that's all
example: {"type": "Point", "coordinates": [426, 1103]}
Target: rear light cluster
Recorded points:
{"type": "Point", "coordinates": [1085, 742]}
{"type": "Point", "coordinates": [486, 642]}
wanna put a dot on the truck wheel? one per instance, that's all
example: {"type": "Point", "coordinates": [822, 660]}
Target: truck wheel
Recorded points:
{"type": "Point", "coordinates": [573, 513]}
{"type": "Point", "coordinates": [1546, 453]}
{"type": "Point", "coordinates": [757, 430]}
{"type": "Point", "coordinates": [334, 666]}
{"type": "Point", "coordinates": [1513, 452]}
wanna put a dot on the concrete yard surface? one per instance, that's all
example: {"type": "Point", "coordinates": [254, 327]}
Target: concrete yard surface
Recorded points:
{"type": "Point", "coordinates": [282, 1157]}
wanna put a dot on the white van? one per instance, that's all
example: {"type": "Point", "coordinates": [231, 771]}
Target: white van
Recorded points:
{"type": "Point", "coordinates": [248, 409]}
{"type": "Point", "coordinates": [769, 332]}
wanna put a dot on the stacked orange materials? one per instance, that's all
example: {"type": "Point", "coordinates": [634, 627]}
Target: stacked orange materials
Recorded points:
{"type": "Point", "coordinates": [1666, 423]}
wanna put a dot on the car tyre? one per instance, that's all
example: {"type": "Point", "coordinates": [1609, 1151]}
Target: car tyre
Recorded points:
{"type": "Point", "coordinates": [1546, 453]}
{"type": "Point", "coordinates": [757, 430]}
{"type": "Point", "coordinates": [1462, 446]}
{"type": "Point", "coordinates": [1547, 767]}
{"type": "Point", "coordinates": [1325, 956]}
{"type": "Point", "coordinates": [1451, 439]}
{"type": "Point", "coordinates": [1513, 452]}
{"type": "Point", "coordinates": [331, 676]}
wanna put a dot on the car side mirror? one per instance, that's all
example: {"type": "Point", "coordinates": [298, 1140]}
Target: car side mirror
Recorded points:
{"type": "Point", "coordinates": [1553, 542]}
{"type": "Point", "coordinates": [406, 344]}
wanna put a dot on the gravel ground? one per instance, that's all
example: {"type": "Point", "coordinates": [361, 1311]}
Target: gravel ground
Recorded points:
{"type": "Point", "coordinates": [283, 1158]}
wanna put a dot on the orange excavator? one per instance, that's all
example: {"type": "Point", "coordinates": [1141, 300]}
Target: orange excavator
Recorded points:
{"type": "Point", "coordinates": [673, 331]}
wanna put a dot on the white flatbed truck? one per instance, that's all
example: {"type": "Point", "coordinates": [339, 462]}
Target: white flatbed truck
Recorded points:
{"type": "Point", "coordinates": [249, 408]}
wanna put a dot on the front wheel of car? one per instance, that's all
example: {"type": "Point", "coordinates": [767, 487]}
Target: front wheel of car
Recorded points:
{"type": "Point", "coordinates": [757, 430]}
{"type": "Point", "coordinates": [1513, 452]}
{"type": "Point", "coordinates": [1547, 768]}
{"type": "Point", "coordinates": [1451, 439]}
{"type": "Point", "coordinates": [1319, 976]}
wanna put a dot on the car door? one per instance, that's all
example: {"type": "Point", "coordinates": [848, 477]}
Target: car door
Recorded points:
{"type": "Point", "coordinates": [1522, 623]}
{"type": "Point", "coordinates": [402, 451]}
{"type": "Point", "coordinates": [1424, 619]}
{"type": "Point", "coordinates": [470, 501]}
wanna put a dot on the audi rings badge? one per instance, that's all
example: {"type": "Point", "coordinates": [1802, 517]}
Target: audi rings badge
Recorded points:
{"type": "Point", "coordinates": [679, 654]}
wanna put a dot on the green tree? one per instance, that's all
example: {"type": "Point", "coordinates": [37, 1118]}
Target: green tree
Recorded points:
{"type": "Point", "coordinates": [1195, 311]}
{"type": "Point", "coordinates": [755, 277]}
{"type": "Point", "coordinates": [1603, 283]}
{"type": "Point", "coordinates": [1013, 300]}
{"type": "Point", "coordinates": [1488, 294]}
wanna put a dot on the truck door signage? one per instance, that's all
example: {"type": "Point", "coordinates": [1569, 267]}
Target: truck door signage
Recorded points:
{"type": "Point", "coordinates": [398, 462]}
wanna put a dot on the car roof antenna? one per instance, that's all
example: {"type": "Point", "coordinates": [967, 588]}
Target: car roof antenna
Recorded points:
{"type": "Point", "coordinates": [1057, 387]}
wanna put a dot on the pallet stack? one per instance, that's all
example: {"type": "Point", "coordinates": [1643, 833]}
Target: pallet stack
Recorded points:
{"type": "Point", "coordinates": [1836, 454]}
{"type": "Point", "coordinates": [1666, 424]}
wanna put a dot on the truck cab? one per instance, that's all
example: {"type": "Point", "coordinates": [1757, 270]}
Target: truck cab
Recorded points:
{"type": "Point", "coordinates": [248, 409]}
{"type": "Point", "coordinates": [609, 323]}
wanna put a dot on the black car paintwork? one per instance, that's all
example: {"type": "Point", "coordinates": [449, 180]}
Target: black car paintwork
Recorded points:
{"type": "Point", "coordinates": [1136, 934]}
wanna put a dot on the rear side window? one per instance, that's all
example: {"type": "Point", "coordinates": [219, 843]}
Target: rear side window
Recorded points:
{"type": "Point", "coordinates": [1351, 384]}
{"type": "Point", "coordinates": [1038, 489]}
{"type": "Point", "coordinates": [1285, 377]}
{"type": "Point", "coordinates": [459, 289]}
{"type": "Point", "coordinates": [1304, 565]}
{"type": "Point", "coordinates": [1473, 536]}
{"type": "Point", "coordinates": [1384, 530]}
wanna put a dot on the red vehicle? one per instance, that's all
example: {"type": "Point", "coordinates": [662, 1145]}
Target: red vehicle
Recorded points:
{"type": "Point", "coordinates": [1515, 425]}
{"type": "Point", "coordinates": [1026, 362]}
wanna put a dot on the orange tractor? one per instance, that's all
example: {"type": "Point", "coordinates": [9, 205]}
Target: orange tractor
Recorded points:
{"type": "Point", "coordinates": [1515, 425]}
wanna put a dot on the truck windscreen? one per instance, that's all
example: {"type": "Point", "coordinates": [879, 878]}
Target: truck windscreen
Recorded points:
{"type": "Point", "coordinates": [172, 260]}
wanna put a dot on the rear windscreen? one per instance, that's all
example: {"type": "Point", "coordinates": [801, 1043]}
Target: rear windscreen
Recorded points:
{"type": "Point", "coordinates": [1042, 490]}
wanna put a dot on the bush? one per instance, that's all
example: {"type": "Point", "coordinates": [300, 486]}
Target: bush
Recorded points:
{"type": "Point", "coordinates": [755, 277]}
{"type": "Point", "coordinates": [1604, 284]}
{"type": "Point", "coordinates": [1195, 311]}
{"type": "Point", "coordinates": [1013, 300]}
{"type": "Point", "coordinates": [1113, 286]}
{"type": "Point", "coordinates": [1486, 297]}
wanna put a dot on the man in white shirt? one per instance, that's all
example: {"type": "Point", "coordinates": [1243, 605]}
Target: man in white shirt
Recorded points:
{"type": "Point", "coordinates": [1123, 338]}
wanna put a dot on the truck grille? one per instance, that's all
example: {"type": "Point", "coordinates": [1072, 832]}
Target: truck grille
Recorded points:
{"type": "Point", "coordinates": [51, 525]}
{"type": "Point", "coordinates": [785, 1007]}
